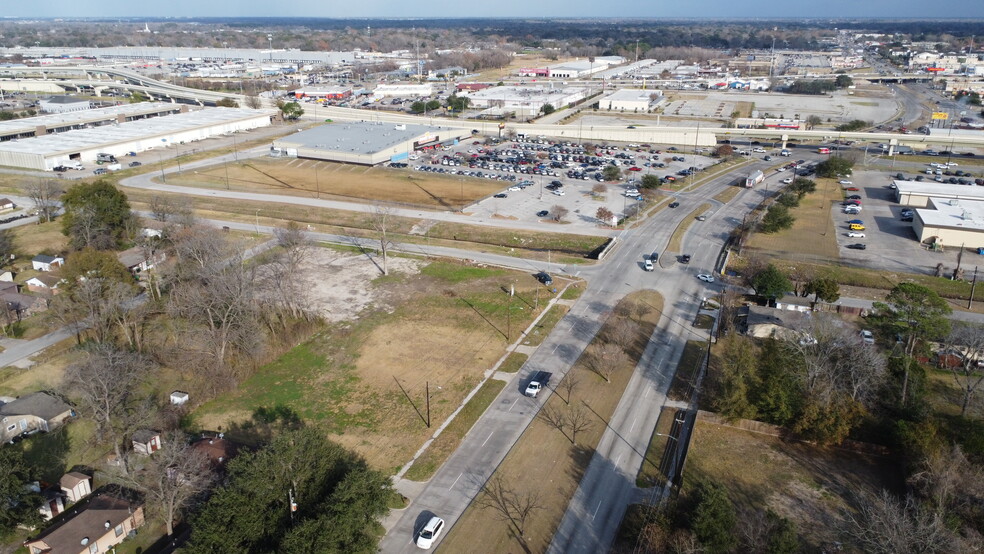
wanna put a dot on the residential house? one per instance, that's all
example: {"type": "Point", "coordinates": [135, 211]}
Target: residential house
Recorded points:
{"type": "Point", "coordinates": [146, 441]}
{"type": "Point", "coordinates": [6, 277]}
{"type": "Point", "coordinates": [102, 523]}
{"type": "Point", "coordinates": [54, 501]}
{"type": "Point", "coordinates": [75, 486]}
{"type": "Point", "coordinates": [22, 305]}
{"type": "Point", "coordinates": [37, 411]}
{"type": "Point", "coordinates": [45, 284]}
{"type": "Point", "coordinates": [6, 204]}
{"type": "Point", "coordinates": [138, 259]}
{"type": "Point", "coordinates": [44, 262]}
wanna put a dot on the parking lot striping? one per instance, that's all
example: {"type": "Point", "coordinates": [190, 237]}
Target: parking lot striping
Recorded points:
{"type": "Point", "coordinates": [634, 421]}
{"type": "Point", "coordinates": [456, 480]}
{"type": "Point", "coordinates": [619, 459]}
{"type": "Point", "coordinates": [554, 351]}
{"type": "Point", "coordinates": [595, 512]}
{"type": "Point", "coordinates": [513, 405]}
{"type": "Point", "coordinates": [487, 440]}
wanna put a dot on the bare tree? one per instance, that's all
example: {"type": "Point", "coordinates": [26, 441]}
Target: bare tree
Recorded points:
{"type": "Point", "coordinates": [605, 359]}
{"type": "Point", "coordinates": [570, 384]}
{"type": "Point", "coordinates": [95, 304]}
{"type": "Point", "coordinates": [44, 194]}
{"type": "Point", "coordinates": [200, 251]}
{"type": "Point", "coordinates": [622, 332]}
{"type": "Point", "coordinates": [294, 242]}
{"type": "Point", "coordinates": [553, 417]}
{"type": "Point", "coordinates": [170, 478]}
{"type": "Point", "coordinates": [166, 209]}
{"type": "Point", "coordinates": [559, 212]}
{"type": "Point", "coordinates": [605, 215]}
{"type": "Point", "coordinates": [884, 525]}
{"type": "Point", "coordinates": [380, 220]}
{"type": "Point", "coordinates": [968, 374]}
{"type": "Point", "coordinates": [513, 507]}
{"type": "Point", "coordinates": [949, 480]}
{"type": "Point", "coordinates": [253, 102]}
{"type": "Point", "coordinates": [578, 420]}
{"type": "Point", "coordinates": [106, 384]}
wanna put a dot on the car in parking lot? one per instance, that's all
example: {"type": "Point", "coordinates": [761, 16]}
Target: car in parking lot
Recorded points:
{"type": "Point", "coordinates": [500, 195]}
{"type": "Point", "coordinates": [544, 278]}
{"type": "Point", "coordinates": [854, 197]}
{"type": "Point", "coordinates": [852, 189]}
{"type": "Point", "coordinates": [559, 192]}
{"type": "Point", "coordinates": [705, 277]}
{"type": "Point", "coordinates": [542, 213]}
{"type": "Point", "coordinates": [845, 182]}
{"type": "Point", "coordinates": [867, 336]}
{"type": "Point", "coordinates": [787, 180]}
{"type": "Point", "coordinates": [648, 265]}
{"type": "Point", "coordinates": [685, 259]}
{"type": "Point", "coordinates": [857, 246]}
{"type": "Point", "coordinates": [856, 235]}
{"type": "Point", "coordinates": [701, 218]}
{"type": "Point", "coordinates": [674, 204]}
{"type": "Point", "coordinates": [135, 164]}
{"type": "Point", "coordinates": [515, 188]}
{"type": "Point", "coordinates": [100, 171]}
{"type": "Point", "coordinates": [428, 535]}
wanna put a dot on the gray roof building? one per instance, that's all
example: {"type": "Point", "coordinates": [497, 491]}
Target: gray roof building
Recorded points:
{"type": "Point", "coordinates": [365, 142]}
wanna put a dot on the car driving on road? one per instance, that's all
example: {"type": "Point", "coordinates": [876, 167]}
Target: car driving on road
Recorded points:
{"type": "Point", "coordinates": [705, 277]}
{"type": "Point", "coordinates": [430, 532]}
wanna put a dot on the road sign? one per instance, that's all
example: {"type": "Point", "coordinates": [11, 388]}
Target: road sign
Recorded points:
{"type": "Point", "coordinates": [941, 115]}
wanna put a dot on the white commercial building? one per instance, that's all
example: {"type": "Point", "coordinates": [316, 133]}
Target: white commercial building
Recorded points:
{"type": "Point", "coordinates": [82, 145]}
{"type": "Point", "coordinates": [64, 104]}
{"type": "Point", "coordinates": [918, 194]}
{"type": "Point", "coordinates": [631, 100]}
{"type": "Point", "coordinates": [402, 89]}
{"type": "Point", "coordinates": [525, 98]}
{"type": "Point", "coordinates": [365, 142]}
{"type": "Point", "coordinates": [951, 222]}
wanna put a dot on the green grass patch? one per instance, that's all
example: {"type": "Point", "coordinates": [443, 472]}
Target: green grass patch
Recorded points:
{"type": "Point", "coordinates": [652, 472]}
{"type": "Point", "coordinates": [676, 241]}
{"type": "Point", "coordinates": [687, 369]}
{"type": "Point", "coordinates": [545, 325]}
{"type": "Point", "coordinates": [448, 441]}
{"type": "Point", "coordinates": [456, 273]}
{"type": "Point", "coordinates": [55, 452]}
{"type": "Point", "coordinates": [513, 362]}
{"type": "Point", "coordinates": [728, 194]}
{"type": "Point", "coordinates": [704, 321]}
{"type": "Point", "coordinates": [573, 292]}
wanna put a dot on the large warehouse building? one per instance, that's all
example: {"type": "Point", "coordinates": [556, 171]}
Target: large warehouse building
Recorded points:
{"type": "Point", "coordinates": [365, 142]}
{"type": "Point", "coordinates": [631, 100]}
{"type": "Point", "coordinates": [951, 222]}
{"type": "Point", "coordinates": [49, 151]}
{"type": "Point", "coordinates": [59, 123]}
{"type": "Point", "coordinates": [919, 193]}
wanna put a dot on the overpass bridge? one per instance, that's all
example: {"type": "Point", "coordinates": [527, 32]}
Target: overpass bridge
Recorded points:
{"type": "Point", "coordinates": [685, 136]}
{"type": "Point", "coordinates": [116, 78]}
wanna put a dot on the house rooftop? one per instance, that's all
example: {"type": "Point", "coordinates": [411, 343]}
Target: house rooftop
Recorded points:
{"type": "Point", "coordinates": [40, 404]}
{"type": "Point", "coordinates": [44, 258]}
{"type": "Point", "coordinates": [72, 478]}
{"type": "Point", "coordinates": [89, 522]}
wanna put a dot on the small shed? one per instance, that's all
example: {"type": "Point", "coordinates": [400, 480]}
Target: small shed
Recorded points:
{"type": "Point", "coordinates": [178, 397]}
{"type": "Point", "coordinates": [75, 485]}
{"type": "Point", "coordinates": [146, 441]}
{"type": "Point", "coordinates": [44, 262]}
{"type": "Point", "coordinates": [44, 284]}
{"type": "Point", "coordinates": [6, 204]}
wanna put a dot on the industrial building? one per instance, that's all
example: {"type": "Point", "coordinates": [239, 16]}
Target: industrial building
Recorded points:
{"type": "Point", "coordinates": [365, 142]}
{"type": "Point", "coordinates": [402, 89]}
{"type": "Point", "coordinates": [64, 104]}
{"type": "Point", "coordinates": [631, 100]}
{"type": "Point", "coordinates": [59, 123]}
{"type": "Point", "coordinates": [918, 194]}
{"type": "Point", "coordinates": [526, 98]}
{"type": "Point", "coordinates": [49, 151]}
{"type": "Point", "coordinates": [951, 222]}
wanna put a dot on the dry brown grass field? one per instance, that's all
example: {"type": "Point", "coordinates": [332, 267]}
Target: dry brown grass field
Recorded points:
{"type": "Point", "coordinates": [346, 182]}
{"type": "Point", "coordinates": [813, 233]}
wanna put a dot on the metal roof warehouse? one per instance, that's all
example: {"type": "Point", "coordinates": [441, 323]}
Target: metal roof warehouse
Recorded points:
{"type": "Point", "coordinates": [60, 122]}
{"type": "Point", "coordinates": [49, 151]}
{"type": "Point", "coordinates": [366, 142]}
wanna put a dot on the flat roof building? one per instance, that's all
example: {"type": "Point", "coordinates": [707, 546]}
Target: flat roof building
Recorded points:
{"type": "Point", "coordinates": [61, 122]}
{"type": "Point", "coordinates": [918, 194]}
{"type": "Point", "coordinates": [365, 142]}
{"type": "Point", "coordinates": [951, 222]}
{"type": "Point", "coordinates": [82, 145]}
{"type": "Point", "coordinates": [631, 100]}
{"type": "Point", "coordinates": [64, 104]}
{"type": "Point", "coordinates": [527, 98]}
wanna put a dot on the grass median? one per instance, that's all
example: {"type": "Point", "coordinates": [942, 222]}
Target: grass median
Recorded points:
{"type": "Point", "coordinates": [549, 460]}
{"type": "Point", "coordinates": [676, 240]}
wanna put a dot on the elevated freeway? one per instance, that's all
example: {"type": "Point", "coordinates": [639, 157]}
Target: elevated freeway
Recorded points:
{"type": "Point", "coordinates": [116, 78]}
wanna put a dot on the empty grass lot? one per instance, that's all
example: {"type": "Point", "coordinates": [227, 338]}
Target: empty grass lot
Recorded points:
{"type": "Point", "coordinates": [544, 460]}
{"type": "Point", "coordinates": [336, 181]}
{"type": "Point", "coordinates": [812, 233]}
{"type": "Point", "coordinates": [364, 380]}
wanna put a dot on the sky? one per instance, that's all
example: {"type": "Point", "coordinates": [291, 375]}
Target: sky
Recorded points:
{"type": "Point", "coordinates": [501, 8]}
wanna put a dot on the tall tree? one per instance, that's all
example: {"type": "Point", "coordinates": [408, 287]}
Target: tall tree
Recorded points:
{"type": "Point", "coordinates": [338, 500]}
{"type": "Point", "coordinates": [824, 289]}
{"type": "Point", "coordinates": [44, 195]}
{"type": "Point", "coordinates": [97, 215]}
{"type": "Point", "coordinates": [884, 525]}
{"type": "Point", "coordinates": [916, 313]}
{"type": "Point", "coordinates": [107, 384]}
{"type": "Point", "coordinates": [380, 219]}
{"type": "Point", "coordinates": [170, 478]}
{"type": "Point", "coordinates": [771, 283]}
{"type": "Point", "coordinates": [968, 374]}
{"type": "Point", "coordinates": [714, 520]}
{"type": "Point", "coordinates": [511, 506]}
{"type": "Point", "coordinates": [20, 503]}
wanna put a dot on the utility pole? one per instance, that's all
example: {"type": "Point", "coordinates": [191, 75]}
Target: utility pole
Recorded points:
{"type": "Point", "coordinates": [973, 285]}
{"type": "Point", "coordinates": [428, 390]}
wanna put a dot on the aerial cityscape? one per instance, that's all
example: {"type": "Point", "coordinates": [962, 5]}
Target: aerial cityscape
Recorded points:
{"type": "Point", "coordinates": [565, 278]}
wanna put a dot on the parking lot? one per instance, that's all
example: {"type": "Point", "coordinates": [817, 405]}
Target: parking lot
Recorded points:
{"type": "Point", "coordinates": [538, 174]}
{"type": "Point", "coordinates": [890, 242]}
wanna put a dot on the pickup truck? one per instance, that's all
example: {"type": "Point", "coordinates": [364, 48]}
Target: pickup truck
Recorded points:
{"type": "Point", "coordinates": [538, 380]}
